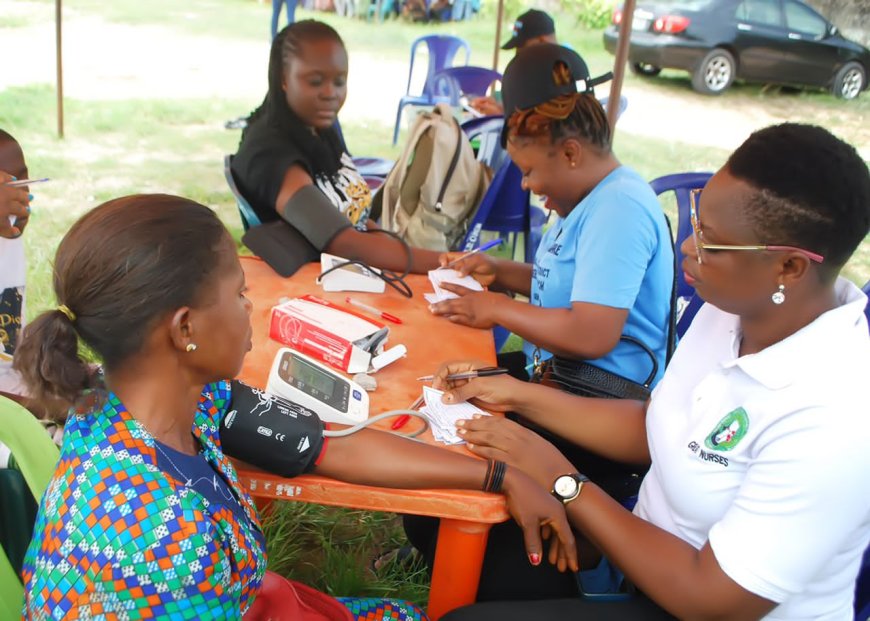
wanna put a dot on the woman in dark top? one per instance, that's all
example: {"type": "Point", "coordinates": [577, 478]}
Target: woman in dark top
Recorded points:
{"type": "Point", "coordinates": [292, 162]}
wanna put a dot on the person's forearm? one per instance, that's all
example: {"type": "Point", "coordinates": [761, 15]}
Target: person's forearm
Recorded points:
{"type": "Point", "coordinates": [563, 331]}
{"type": "Point", "coordinates": [613, 428]}
{"type": "Point", "coordinates": [513, 276]}
{"type": "Point", "coordinates": [382, 251]}
{"type": "Point", "coordinates": [381, 459]}
{"type": "Point", "coordinates": [687, 582]}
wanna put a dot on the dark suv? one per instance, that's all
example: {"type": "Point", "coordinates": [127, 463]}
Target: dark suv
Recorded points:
{"type": "Point", "coordinates": [780, 41]}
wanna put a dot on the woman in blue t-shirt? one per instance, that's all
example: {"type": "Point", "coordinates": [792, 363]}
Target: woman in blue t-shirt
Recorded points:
{"type": "Point", "coordinates": [604, 268]}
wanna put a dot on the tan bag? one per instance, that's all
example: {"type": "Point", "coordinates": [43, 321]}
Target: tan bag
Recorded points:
{"type": "Point", "coordinates": [436, 185]}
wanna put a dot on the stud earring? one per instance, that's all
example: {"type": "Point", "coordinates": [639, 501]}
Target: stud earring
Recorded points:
{"type": "Point", "coordinates": [573, 163]}
{"type": "Point", "coordinates": [190, 347]}
{"type": "Point", "coordinates": [778, 296]}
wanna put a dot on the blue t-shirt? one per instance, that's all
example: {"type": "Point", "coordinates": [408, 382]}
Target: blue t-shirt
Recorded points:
{"type": "Point", "coordinates": [613, 249]}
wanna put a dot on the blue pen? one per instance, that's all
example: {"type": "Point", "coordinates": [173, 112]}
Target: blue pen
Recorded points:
{"type": "Point", "coordinates": [484, 248]}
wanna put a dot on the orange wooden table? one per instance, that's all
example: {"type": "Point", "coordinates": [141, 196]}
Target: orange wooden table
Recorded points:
{"type": "Point", "coordinates": [466, 515]}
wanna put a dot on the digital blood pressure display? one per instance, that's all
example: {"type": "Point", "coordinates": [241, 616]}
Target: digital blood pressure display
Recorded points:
{"type": "Point", "coordinates": [302, 380]}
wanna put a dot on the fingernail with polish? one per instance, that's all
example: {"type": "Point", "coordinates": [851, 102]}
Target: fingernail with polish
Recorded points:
{"type": "Point", "coordinates": [535, 558]}
{"type": "Point", "coordinates": [30, 197]}
{"type": "Point", "coordinates": [28, 209]}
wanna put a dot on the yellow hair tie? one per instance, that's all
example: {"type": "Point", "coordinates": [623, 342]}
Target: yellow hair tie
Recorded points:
{"type": "Point", "coordinates": [66, 311]}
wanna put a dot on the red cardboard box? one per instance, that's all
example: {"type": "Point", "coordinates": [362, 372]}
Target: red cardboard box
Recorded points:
{"type": "Point", "coordinates": [338, 336]}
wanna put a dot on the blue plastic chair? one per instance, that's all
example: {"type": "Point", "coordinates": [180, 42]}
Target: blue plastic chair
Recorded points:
{"type": "Point", "coordinates": [442, 52]}
{"type": "Point", "coordinates": [247, 213]}
{"type": "Point", "coordinates": [681, 184]}
{"type": "Point", "coordinates": [368, 166]}
{"type": "Point", "coordinates": [486, 131]}
{"type": "Point", "coordinates": [454, 82]}
{"type": "Point", "coordinates": [623, 104]}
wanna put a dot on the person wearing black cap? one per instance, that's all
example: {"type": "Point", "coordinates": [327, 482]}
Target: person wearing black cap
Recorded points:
{"type": "Point", "coordinates": [603, 270]}
{"type": "Point", "coordinates": [531, 28]}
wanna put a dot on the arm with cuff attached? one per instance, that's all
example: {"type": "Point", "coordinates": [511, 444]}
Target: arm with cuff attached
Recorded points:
{"type": "Point", "coordinates": [302, 205]}
{"type": "Point", "coordinates": [270, 432]}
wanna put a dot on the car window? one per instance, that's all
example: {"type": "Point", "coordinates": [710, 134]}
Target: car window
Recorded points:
{"type": "Point", "coordinates": [801, 19]}
{"type": "Point", "coordinates": [766, 12]}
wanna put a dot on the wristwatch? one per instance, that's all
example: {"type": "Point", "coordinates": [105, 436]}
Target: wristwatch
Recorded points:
{"type": "Point", "coordinates": [567, 487]}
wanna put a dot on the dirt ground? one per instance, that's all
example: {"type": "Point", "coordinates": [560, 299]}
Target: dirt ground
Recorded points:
{"type": "Point", "coordinates": [156, 62]}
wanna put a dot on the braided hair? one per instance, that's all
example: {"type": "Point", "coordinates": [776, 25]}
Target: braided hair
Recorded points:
{"type": "Point", "coordinates": [324, 147]}
{"type": "Point", "coordinates": [577, 115]}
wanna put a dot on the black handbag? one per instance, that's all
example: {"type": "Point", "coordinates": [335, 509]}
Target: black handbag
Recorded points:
{"type": "Point", "coordinates": [587, 380]}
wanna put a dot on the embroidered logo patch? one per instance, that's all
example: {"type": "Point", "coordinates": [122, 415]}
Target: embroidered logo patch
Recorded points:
{"type": "Point", "coordinates": [561, 74]}
{"type": "Point", "coordinates": [729, 432]}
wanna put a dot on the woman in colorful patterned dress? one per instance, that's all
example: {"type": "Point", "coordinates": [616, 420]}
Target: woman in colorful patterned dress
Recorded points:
{"type": "Point", "coordinates": [145, 516]}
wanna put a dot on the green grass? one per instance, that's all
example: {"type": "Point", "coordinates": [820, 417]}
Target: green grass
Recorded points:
{"type": "Point", "coordinates": [174, 145]}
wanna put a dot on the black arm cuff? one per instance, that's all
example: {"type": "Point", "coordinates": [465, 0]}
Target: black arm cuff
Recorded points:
{"type": "Point", "coordinates": [311, 213]}
{"type": "Point", "coordinates": [270, 432]}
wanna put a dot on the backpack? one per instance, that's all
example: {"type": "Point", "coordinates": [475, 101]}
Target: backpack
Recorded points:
{"type": "Point", "coordinates": [436, 185]}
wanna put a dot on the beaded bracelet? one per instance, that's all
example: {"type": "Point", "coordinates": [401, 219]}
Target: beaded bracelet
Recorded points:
{"type": "Point", "coordinates": [487, 478]}
{"type": "Point", "coordinates": [498, 472]}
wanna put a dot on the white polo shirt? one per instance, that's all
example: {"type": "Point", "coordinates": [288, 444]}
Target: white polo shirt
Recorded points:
{"type": "Point", "coordinates": [767, 456]}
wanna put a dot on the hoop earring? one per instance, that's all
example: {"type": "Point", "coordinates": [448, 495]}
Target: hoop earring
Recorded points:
{"type": "Point", "coordinates": [778, 296]}
{"type": "Point", "coordinates": [191, 347]}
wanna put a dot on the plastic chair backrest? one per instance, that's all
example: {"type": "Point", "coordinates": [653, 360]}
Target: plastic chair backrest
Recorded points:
{"type": "Point", "coordinates": [623, 104]}
{"type": "Point", "coordinates": [36, 456]}
{"type": "Point", "coordinates": [454, 82]}
{"type": "Point", "coordinates": [487, 131]}
{"type": "Point", "coordinates": [681, 184]}
{"type": "Point", "coordinates": [504, 208]}
{"type": "Point", "coordinates": [442, 52]}
{"type": "Point", "coordinates": [247, 213]}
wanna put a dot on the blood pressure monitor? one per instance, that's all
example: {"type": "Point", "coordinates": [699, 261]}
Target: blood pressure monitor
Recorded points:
{"type": "Point", "coordinates": [333, 397]}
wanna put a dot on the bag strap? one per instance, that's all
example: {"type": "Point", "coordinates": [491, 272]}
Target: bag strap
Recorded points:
{"type": "Point", "coordinates": [652, 358]}
{"type": "Point", "coordinates": [452, 168]}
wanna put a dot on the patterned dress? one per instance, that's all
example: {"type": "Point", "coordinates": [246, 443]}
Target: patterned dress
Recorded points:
{"type": "Point", "coordinates": [117, 538]}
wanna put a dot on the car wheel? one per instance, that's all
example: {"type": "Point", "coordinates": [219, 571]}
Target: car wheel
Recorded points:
{"type": "Point", "coordinates": [849, 81]}
{"type": "Point", "coordinates": [644, 69]}
{"type": "Point", "coordinates": [714, 73]}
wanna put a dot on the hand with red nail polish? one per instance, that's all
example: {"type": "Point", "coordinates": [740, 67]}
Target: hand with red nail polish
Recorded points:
{"type": "Point", "coordinates": [535, 510]}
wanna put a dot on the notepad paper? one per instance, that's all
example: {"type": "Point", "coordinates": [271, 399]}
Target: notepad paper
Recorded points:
{"type": "Point", "coordinates": [442, 275]}
{"type": "Point", "coordinates": [443, 417]}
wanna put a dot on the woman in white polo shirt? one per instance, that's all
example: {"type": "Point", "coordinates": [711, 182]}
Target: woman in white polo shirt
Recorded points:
{"type": "Point", "coordinates": [757, 502]}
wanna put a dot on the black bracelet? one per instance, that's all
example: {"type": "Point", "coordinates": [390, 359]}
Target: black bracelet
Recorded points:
{"type": "Point", "coordinates": [498, 473]}
{"type": "Point", "coordinates": [486, 478]}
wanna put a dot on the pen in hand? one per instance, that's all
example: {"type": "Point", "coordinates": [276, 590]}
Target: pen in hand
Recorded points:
{"type": "Point", "coordinates": [484, 372]}
{"type": "Point", "coordinates": [483, 248]}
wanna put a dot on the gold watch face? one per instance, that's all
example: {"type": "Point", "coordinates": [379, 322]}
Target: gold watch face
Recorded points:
{"type": "Point", "coordinates": [566, 486]}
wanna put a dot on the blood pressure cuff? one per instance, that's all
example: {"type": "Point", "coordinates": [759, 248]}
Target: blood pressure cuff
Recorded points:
{"type": "Point", "coordinates": [310, 222]}
{"type": "Point", "coordinates": [271, 433]}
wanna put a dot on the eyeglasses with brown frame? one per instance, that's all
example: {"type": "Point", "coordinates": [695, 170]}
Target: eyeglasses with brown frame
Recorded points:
{"type": "Point", "coordinates": [701, 245]}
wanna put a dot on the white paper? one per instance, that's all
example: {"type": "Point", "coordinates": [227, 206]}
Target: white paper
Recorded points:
{"type": "Point", "coordinates": [442, 275]}
{"type": "Point", "coordinates": [443, 417]}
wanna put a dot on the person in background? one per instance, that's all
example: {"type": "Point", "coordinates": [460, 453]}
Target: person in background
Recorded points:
{"type": "Point", "coordinates": [531, 28]}
{"type": "Point", "coordinates": [757, 502]}
{"type": "Point", "coordinates": [145, 515]}
{"type": "Point", "coordinates": [292, 163]}
{"type": "Point", "coordinates": [14, 215]}
{"type": "Point", "coordinates": [276, 13]}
